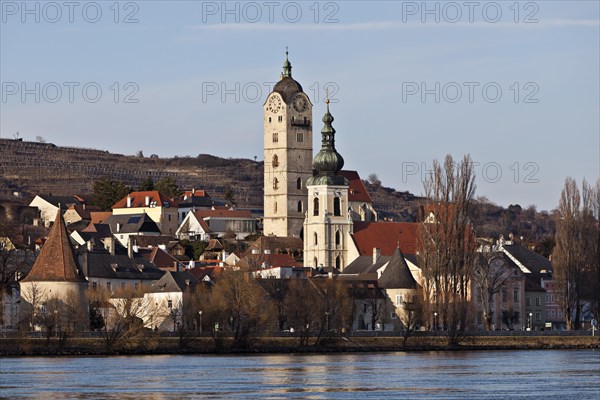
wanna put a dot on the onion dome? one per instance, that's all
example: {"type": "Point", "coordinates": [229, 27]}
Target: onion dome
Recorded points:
{"type": "Point", "coordinates": [328, 162]}
{"type": "Point", "coordinates": [287, 86]}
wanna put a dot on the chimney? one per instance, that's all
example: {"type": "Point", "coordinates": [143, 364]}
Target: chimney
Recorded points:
{"type": "Point", "coordinates": [128, 201]}
{"type": "Point", "coordinates": [90, 245]}
{"type": "Point", "coordinates": [111, 245]}
{"type": "Point", "coordinates": [129, 248]}
{"type": "Point", "coordinates": [187, 282]}
{"type": "Point", "coordinates": [147, 201]}
{"type": "Point", "coordinates": [376, 254]}
{"type": "Point", "coordinates": [118, 227]}
{"type": "Point", "coordinates": [193, 191]}
{"type": "Point", "coordinates": [176, 266]}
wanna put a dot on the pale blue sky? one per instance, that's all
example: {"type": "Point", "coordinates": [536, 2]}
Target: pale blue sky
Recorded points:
{"type": "Point", "coordinates": [377, 55]}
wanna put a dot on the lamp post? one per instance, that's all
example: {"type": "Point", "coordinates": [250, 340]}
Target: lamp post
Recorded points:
{"type": "Point", "coordinates": [435, 321]}
{"type": "Point", "coordinates": [200, 327]}
{"type": "Point", "coordinates": [530, 321]}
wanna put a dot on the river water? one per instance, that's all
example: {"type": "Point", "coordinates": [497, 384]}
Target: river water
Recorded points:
{"type": "Point", "coordinates": [556, 374]}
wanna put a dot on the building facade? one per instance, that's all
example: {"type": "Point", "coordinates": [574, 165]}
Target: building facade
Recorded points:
{"type": "Point", "coordinates": [287, 156]}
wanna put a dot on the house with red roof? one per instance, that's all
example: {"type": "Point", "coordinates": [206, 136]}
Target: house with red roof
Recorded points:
{"type": "Point", "coordinates": [156, 205]}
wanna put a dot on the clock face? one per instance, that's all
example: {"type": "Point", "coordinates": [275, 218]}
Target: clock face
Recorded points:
{"type": "Point", "coordinates": [274, 104]}
{"type": "Point", "coordinates": [300, 104]}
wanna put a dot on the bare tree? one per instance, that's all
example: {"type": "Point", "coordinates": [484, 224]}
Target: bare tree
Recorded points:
{"type": "Point", "coordinates": [575, 254]}
{"type": "Point", "coordinates": [447, 244]}
{"type": "Point", "coordinates": [125, 314]}
{"type": "Point", "coordinates": [13, 264]}
{"type": "Point", "coordinates": [411, 317]}
{"type": "Point", "coordinates": [237, 304]}
{"type": "Point", "coordinates": [491, 275]}
{"type": "Point", "coordinates": [34, 295]}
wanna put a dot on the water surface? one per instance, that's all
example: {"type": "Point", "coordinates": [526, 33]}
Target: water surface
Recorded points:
{"type": "Point", "coordinates": [556, 374]}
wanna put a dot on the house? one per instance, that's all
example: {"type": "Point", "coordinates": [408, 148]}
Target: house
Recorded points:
{"type": "Point", "coordinates": [161, 209]}
{"type": "Point", "coordinates": [219, 223]}
{"type": "Point", "coordinates": [122, 226]}
{"type": "Point", "coordinates": [170, 293]}
{"type": "Point", "coordinates": [79, 212]}
{"type": "Point", "coordinates": [160, 258]}
{"type": "Point", "coordinates": [193, 228]}
{"type": "Point", "coordinates": [196, 199]}
{"type": "Point", "coordinates": [538, 271]}
{"type": "Point", "coordinates": [113, 270]}
{"type": "Point", "coordinates": [49, 205]}
{"type": "Point", "coordinates": [96, 232]}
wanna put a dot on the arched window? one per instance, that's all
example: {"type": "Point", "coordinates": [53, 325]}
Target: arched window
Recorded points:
{"type": "Point", "coordinates": [269, 119]}
{"type": "Point", "coordinates": [338, 238]}
{"type": "Point", "coordinates": [315, 239]}
{"type": "Point", "coordinates": [337, 209]}
{"type": "Point", "coordinates": [338, 262]}
{"type": "Point", "coordinates": [315, 262]}
{"type": "Point", "coordinates": [275, 137]}
{"type": "Point", "coordinates": [299, 183]}
{"type": "Point", "coordinates": [316, 206]}
{"type": "Point", "coordinates": [275, 183]}
{"type": "Point", "coordinates": [275, 161]}
{"type": "Point", "coordinates": [299, 206]}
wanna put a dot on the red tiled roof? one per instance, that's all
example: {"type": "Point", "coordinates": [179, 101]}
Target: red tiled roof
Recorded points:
{"type": "Point", "coordinates": [99, 217]}
{"type": "Point", "coordinates": [385, 235]}
{"type": "Point", "coordinates": [195, 193]}
{"type": "Point", "coordinates": [138, 199]}
{"type": "Point", "coordinates": [160, 258]}
{"type": "Point", "coordinates": [56, 262]}
{"type": "Point", "coordinates": [223, 214]}
{"type": "Point", "coordinates": [357, 190]}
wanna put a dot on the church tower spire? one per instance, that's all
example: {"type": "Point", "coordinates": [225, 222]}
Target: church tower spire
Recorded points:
{"type": "Point", "coordinates": [287, 65]}
{"type": "Point", "coordinates": [327, 225]}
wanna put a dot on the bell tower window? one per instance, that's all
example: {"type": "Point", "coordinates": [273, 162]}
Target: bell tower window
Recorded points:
{"type": "Point", "coordinates": [275, 162]}
{"type": "Point", "coordinates": [299, 183]}
{"type": "Point", "coordinates": [275, 184]}
{"type": "Point", "coordinates": [315, 239]}
{"type": "Point", "coordinates": [299, 206]}
{"type": "Point", "coordinates": [275, 137]}
{"type": "Point", "coordinates": [316, 206]}
{"type": "Point", "coordinates": [337, 209]}
{"type": "Point", "coordinates": [337, 238]}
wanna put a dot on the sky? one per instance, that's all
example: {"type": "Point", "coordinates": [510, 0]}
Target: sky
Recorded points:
{"type": "Point", "coordinates": [516, 85]}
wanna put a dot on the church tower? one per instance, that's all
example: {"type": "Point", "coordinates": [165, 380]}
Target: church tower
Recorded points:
{"type": "Point", "coordinates": [288, 155]}
{"type": "Point", "coordinates": [327, 224]}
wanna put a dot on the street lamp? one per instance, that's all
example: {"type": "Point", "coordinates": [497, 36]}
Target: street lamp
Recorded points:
{"type": "Point", "coordinates": [200, 328]}
{"type": "Point", "coordinates": [435, 321]}
{"type": "Point", "coordinates": [530, 321]}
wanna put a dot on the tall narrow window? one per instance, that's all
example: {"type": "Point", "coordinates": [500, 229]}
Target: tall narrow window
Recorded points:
{"type": "Point", "coordinates": [337, 209]}
{"type": "Point", "coordinates": [315, 262]}
{"type": "Point", "coordinates": [316, 206]}
{"type": "Point", "coordinates": [338, 262]}
{"type": "Point", "coordinates": [299, 206]}
{"type": "Point", "coordinates": [337, 238]}
{"type": "Point", "coordinates": [275, 137]}
{"type": "Point", "coordinates": [269, 119]}
{"type": "Point", "coordinates": [299, 183]}
{"type": "Point", "coordinates": [280, 118]}
{"type": "Point", "coordinates": [275, 183]}
{"type": "Point", "coordinates": [275, 208]}
{"type": "Point", "coordinates": [275, 161]}
{"type": "Point", "coordinates": [299, 137]}
{"type": "Point", "coordinates": [315, 239]}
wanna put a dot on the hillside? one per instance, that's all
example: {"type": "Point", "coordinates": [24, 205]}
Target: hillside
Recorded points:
{"type": "Point", "coordinates": [32, 167]}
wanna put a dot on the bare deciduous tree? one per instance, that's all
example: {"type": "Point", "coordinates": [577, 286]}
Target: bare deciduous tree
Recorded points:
{"type": "Point", "coordinates": [491, 275]}
{"type": "Point", "coordinates": [575, 255]}
{"type": "Point", "coordinates": [447, 244]}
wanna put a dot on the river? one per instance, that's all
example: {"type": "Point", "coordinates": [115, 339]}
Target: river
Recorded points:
{"type": "Point", "coordinates": [556, 374]}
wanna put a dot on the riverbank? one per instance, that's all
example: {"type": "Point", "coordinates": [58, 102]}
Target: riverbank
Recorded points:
{"type": "Point", "coordinates": [206, 345]}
